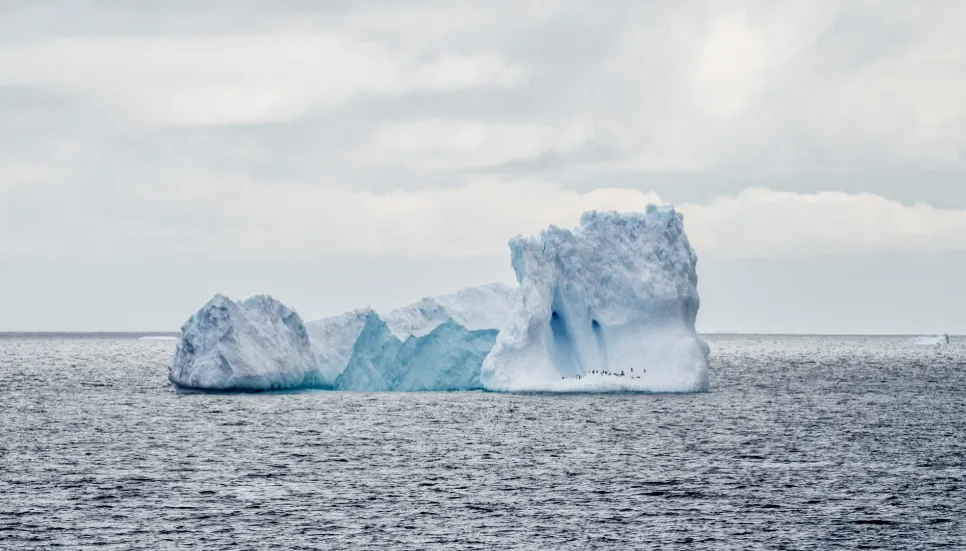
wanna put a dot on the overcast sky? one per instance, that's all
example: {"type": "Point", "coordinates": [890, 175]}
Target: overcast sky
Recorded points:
{"type": "Point", "coordinates": [338, 154]}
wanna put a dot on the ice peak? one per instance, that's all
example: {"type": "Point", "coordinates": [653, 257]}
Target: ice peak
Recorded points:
{"type": "Point", "coordinates": [476, 308]}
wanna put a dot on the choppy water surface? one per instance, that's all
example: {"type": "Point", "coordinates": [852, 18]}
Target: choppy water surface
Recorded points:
{"type": "Point", "coordinates": [803, 443]}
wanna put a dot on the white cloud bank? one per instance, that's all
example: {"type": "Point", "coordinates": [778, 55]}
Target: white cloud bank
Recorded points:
{"type": "Point", "coordinates": [442, 144]}
{"type": "Point", "coordinates": [251, 221]}
{"type": "Point", "coordinates": [761, 222]}
{"type": "Point", "coordinates": [198, 81]}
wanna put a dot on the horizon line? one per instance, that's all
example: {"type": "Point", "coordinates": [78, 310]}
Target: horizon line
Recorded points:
{"type": "Point", "coordinates": [703, 333]}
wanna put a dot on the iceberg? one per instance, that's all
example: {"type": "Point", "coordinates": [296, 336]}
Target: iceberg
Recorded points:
{"type": "Point", "coordinates": [607, 307]}
{"type": "Point", "coordinates": [255, 344]}
{"type": "Point", "coordinates": [438, 343]}
{"type": "Point", "coordinates": [939, 340]}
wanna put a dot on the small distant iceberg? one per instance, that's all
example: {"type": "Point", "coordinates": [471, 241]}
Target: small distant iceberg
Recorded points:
{"type": "Point", "coordinates": [938, 340]}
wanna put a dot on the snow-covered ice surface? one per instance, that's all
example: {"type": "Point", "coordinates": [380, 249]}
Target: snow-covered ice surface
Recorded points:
{"type": "Point", "coordinates": [255, 344]}
{"type": "Point", "coordinates": [607, 307]}
{"type": "Point", "coordinates": [938, 340]}
{"type": "Point", "coordinates": [437, 343]}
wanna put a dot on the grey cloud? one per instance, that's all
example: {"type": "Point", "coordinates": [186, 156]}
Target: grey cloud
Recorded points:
{"type": "Point", "coordinates": [569, 52]}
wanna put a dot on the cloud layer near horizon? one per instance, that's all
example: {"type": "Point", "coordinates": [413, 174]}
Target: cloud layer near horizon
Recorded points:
{"type": "Point", "coordinates": [246, 221]}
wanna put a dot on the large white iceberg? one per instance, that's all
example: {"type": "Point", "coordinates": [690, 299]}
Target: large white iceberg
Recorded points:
{"type": "Point", "coordinates": [437, 343]}
{"type": "Point", "coordinates": [255, 344]}
{"type": "Point", "coordinates": [609, 306]}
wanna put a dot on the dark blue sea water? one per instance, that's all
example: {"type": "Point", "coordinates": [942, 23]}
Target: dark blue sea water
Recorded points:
{"type": "Point", "coordinates": [802, 443]}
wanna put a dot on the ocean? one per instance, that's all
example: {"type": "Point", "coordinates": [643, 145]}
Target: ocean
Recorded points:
{"type": "Point", "coordinates": [803, 442]}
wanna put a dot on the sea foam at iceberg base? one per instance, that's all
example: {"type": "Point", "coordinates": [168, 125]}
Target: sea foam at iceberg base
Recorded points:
{"type": "Point", "coordinates": [607, 307]}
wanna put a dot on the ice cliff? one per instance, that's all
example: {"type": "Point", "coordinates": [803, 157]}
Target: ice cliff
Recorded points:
{"type": "Point", "coordinates": [609, 306]}
{"type": "Point", "coordinates": [437, 343]}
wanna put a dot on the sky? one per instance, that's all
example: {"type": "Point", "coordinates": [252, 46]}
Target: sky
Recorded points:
{"type": "Point", "coordinates": [341, 154]}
